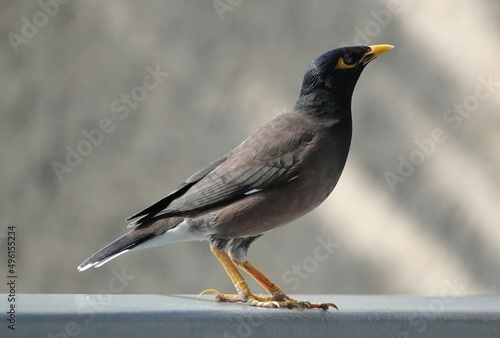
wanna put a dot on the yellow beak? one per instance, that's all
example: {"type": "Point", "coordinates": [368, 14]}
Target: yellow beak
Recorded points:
{"type": "Point", "coordinates": [375, 51]}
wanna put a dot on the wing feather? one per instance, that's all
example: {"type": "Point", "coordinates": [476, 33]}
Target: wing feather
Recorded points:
{"type": "Point", "coordinates": [256, 164]}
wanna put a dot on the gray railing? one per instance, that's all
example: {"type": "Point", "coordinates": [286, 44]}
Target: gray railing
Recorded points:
{"type": "Point", "coordinates": [145, 316]}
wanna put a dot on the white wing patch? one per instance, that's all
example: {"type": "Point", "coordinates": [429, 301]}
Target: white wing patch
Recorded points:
{"type": "Point", "coordinates": [253, 191]}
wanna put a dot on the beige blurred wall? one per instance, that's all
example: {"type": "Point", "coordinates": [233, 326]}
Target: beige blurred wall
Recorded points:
{"type": "Point", "coordinates": [67, 70]}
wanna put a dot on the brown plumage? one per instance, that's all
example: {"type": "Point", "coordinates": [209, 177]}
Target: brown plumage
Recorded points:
{"type": "Point", "coordinates": [281, 172]}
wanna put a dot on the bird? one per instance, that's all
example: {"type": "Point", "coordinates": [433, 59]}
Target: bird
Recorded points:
{"type": "Point", "coordinates": [281, 172]}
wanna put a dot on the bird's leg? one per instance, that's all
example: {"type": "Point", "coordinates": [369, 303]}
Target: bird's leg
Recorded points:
{"type": "Point", "coordinates": [244, 294]}
{"type": "Point", "coordinates": [278, 297]}
{"type": "Point", "coordinates": [276, 293]}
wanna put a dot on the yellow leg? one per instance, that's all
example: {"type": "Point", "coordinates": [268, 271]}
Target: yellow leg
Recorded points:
{"type": "Point", "coordinates": [276, 293]}
{"type": "Point", "coordinates": [244, 294]}
{"type": "Point", "coordinates": [278, 298]}
{"type": "Point", "coordinates": [260, 278]}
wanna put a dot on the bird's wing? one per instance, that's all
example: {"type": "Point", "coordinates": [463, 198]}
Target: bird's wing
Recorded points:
{"type": "Point", "coordinates": [266, 159]}
{"type": "Point", "coordinates": [185, 186]}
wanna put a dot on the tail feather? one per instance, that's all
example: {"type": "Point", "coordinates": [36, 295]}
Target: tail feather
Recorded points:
{"type": "Point", "coordinates": [115, 249]}
{"type": "Point", "coordinates": [130, 241]}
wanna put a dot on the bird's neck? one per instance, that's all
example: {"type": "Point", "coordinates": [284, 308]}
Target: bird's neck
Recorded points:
{"type": "Point", "coordinates": [322, 106]}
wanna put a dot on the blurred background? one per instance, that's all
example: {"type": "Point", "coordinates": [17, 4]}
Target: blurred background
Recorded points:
{"type": "Point", "coordinates": [107, 106]}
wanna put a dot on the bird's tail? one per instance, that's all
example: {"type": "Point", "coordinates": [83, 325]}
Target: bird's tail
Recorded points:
{"type": "Point", "coordinates": [127, 242]}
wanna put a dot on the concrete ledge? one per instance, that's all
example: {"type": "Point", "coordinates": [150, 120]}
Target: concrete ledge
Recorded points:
{"type": "Point", "coordinates": [47, 315]}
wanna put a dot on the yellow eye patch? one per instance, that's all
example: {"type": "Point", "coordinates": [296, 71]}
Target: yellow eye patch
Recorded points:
{"type": "Point", "coordinates": [342, 65]}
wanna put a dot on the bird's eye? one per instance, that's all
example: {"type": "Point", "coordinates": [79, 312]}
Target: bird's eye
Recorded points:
{"type": "Point", "coordinates": [348, 59]}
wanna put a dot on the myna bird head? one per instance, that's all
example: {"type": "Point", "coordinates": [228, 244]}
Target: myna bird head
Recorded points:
{"type": "Point", "coordinates": [333, 75]}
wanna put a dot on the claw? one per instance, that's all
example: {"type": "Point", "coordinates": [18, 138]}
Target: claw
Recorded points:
{"type": "Point", "coordinates": [208, 292]}
{"type": "Point", "coordinates": [324, 306]}
{"type": "Point", "coordinates": [222, 297]}
{"type": "Point", "coordinates": [331, 305]}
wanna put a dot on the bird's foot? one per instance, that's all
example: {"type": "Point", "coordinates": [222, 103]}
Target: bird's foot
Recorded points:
{"type": "Point", "coordinates": [289, 302]}
{"type": "Point", "coordinates": [249, 298]}
{"type": "Point", "coordinates": [276, 301]}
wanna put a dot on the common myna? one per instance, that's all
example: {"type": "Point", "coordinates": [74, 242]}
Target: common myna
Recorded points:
{"type": "Point", "coordinates": [281, 172]}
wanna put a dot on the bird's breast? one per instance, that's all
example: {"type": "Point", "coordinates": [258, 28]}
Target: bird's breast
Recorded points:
{"type": "Point", "coordinates": [319, 170]}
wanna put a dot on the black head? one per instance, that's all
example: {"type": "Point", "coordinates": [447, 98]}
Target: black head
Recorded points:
{"type": "Point", "coordinates": [333, 75]}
